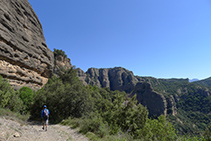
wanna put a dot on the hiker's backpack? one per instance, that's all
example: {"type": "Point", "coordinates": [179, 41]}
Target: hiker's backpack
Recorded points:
{"type": "Point", "coordinates": [45, 113]}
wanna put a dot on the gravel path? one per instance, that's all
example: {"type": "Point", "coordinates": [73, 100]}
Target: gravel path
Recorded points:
{"type": "Point", "coordinates": [12, 130]}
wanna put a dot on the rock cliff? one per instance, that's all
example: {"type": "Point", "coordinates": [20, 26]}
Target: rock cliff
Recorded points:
{"type": "Point", "coordinates": [124, 80]}
{"type": "Point", "coordinates": [61, 63]}
{"type": "Point", "coordinates": [25, 59]}
{"type": "Point", "coordinates": [113, 78]}
{"type": "Point", "coordinates": [155, 102]}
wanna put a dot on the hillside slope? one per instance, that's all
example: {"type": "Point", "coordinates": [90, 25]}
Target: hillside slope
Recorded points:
{"type": "Point", "coordinates": [204, 82]}
{"type": "Point", "coordinates": [185, 104]}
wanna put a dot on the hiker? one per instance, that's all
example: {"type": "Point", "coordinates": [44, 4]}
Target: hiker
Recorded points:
{"type": "Point", "coordinates": [45, 116]}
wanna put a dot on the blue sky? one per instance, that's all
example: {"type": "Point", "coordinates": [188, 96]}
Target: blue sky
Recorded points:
{"type": "Point", "coordinates": [158, 38]}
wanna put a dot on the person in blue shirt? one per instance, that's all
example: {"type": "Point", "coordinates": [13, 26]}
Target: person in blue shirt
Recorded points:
{"type": "Point", "coordinates": [45, 117]}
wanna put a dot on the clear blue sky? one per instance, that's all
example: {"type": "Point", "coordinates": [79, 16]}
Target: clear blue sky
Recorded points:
{"type": "Point", "coordinates": [158, 38]}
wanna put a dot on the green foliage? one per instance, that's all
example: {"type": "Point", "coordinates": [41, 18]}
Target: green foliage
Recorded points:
{"type": "Point", "coordinates": [205, 82]}
{"type": "Point", "coordinates": [126, 115]}
{"type": "Point", "coordinates": [195, 102]}
{"type": "Point", "coordinates": [58, 52]}
{"type": "Point", "coordinates": [65, 96]}
{"type": "Point", "coordinates": [26, 95]}
{"type": "Point", "coordinates": [207, 134]}
{"type": "Point", "coordinates": [157, 130]}
{"type": "Point", "coordinates": [13, 115]}
{"type": "Point", "coordinates": [8, 97]}
{"type": "Point", "coordinates": [94, 123]}
{"type": "Point", "coordinates": [194, 109]}
{"type": "Point", "coordinates": [189, 138]}
{"type": "Point", "coordinates": [192, 103]}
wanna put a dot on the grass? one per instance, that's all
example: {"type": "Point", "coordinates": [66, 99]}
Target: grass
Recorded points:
{"type": "Point", "coordinates": [8, 114]}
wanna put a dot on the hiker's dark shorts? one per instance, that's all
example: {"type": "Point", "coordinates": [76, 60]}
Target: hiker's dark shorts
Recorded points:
{"type": "Point", "coordinates": [45, 121]}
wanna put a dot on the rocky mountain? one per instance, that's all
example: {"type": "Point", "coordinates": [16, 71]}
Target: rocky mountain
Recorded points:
{"type": "Point", "coordinates": [159, 95]}
{"type": "Point", "coordinates": [186, 104]}
{"type": "Point", "coordinates": [193, 80]}
{"type": "Point", "coordinates": [25, 59]}
{"type": "Point", "coordinates": [119, 78]}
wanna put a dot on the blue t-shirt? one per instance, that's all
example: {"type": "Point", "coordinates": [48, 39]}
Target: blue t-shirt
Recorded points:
{"type": "Point", "coordinates": [43, 112]}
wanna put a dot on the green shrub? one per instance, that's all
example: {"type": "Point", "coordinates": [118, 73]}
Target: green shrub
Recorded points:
{"type": "Point", "coordinates": [72, 122]}
{"type": "Point", "coordinates": [8, 97]}
{"type": "Point", "coordinates": [58, 52]}
{"type": "Point", "coordinates": [157, 129]}
{"type": "Point", "coordinates": [94, 123]}
{"type": "Point", "coordinates": [26, 95]}
{"type": "Point", "coordinates": [65, 96]}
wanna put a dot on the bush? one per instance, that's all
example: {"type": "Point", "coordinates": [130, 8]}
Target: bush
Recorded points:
{"type": "Point", "coordinates": [58, 52]}
{"type": "Point", "coordinates": [157, 130]}
{"type": "Point", "coordinates": [26, 95]}
{"type": "Point", "coordinates": [94, 123]}
{"type": "Point", "coordinates": [65, 97]}
{"type": "Point", "coordinates": [8, 97]}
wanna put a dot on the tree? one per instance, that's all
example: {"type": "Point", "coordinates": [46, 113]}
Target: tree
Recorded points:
{"type": "Point", "coordinates": [157, 129]}
{"type": "Point", "coordinates": [26, 95]}
{"type": "Point", "coordinates": [8, 97]}
{"type": "Point", "coordinates": [65, 96]}
{"type": "Point", "coordinates": [58, 52]}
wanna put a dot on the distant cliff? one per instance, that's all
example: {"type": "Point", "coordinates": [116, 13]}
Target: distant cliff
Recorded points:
{"type": "Point", "coordinates": [25, 59]}
{"type": "Point", "coordinates": [159, 95]}
{"type": "Point", "coordinates": [119, 78]}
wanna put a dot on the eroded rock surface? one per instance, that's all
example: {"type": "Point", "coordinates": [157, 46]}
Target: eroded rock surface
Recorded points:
{"type": "Point", "coordinates": [25, 59]}
{"type": "Point", "coordinates": [116, 78]}
{"type": "Point", "coordinates": [119, 78]}
{"type": "Point", "coordinates": [61, 63]}
{"type": "Point", "coordinates": [155, 102]}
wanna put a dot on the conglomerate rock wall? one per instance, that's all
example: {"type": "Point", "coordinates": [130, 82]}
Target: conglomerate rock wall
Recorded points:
{"type": "Point", "coordinates": [25, 59]}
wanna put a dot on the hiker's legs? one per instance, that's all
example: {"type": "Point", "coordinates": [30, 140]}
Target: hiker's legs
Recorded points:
{"type": "Point", "coordinates": [43, 124]}
{"type": "Point", "coordinates": [46, 124]}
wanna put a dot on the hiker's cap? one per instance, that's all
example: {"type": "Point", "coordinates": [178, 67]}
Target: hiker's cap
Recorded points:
{"type": "Point", "coordinates": [45, 106]}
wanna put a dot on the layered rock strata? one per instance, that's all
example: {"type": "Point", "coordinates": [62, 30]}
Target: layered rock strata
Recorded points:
{"type": "Point", "coordinates": [25, 59]}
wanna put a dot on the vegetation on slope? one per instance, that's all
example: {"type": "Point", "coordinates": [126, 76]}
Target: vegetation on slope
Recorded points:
{"type": "Point", "coordinates": [58, 52]}
{"type": "Point", "coordinates": [100, 113]}
{"type": "Point", "coordinates": [192, 104]}
{"type": "Point", "coordinates": [205, 82]}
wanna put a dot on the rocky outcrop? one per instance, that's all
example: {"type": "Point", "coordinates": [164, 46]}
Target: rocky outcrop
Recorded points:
{"type": "Point", "coordinates": [25, 59]}
{"type": "Point", "coordinates": [122, 79]}
{"type": "Point", "coordinates": [61, 63]}
{"type": "Point", "coordinates": [155, 102]}
{"type": "Point", "coordinates": [171, 104]}
{"type": "Point", "coordinates": [113, 78]}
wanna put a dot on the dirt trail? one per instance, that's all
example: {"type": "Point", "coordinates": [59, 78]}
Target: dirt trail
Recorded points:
{"type": "Point", "coordinates": [11, 130]}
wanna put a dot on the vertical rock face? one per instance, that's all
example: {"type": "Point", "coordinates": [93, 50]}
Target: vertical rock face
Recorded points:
{"type": "Point", "coordinates": [113, 78]}
{"type": "Point", "coordinates": [122, 79]}
{"type": "Point", "coordinates": [25, 59]}
{"type": "Point", "coordinates": [155, 102]}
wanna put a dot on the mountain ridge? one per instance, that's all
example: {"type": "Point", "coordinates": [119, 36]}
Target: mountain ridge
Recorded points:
{"type": "Point", "coordinates": [175, 98]}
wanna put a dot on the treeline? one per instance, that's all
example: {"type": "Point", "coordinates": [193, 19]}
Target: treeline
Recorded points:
{"type": "Point", "coordinates": [99, 113]}
{"type": "Point", "coordinates": [18, 101]}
